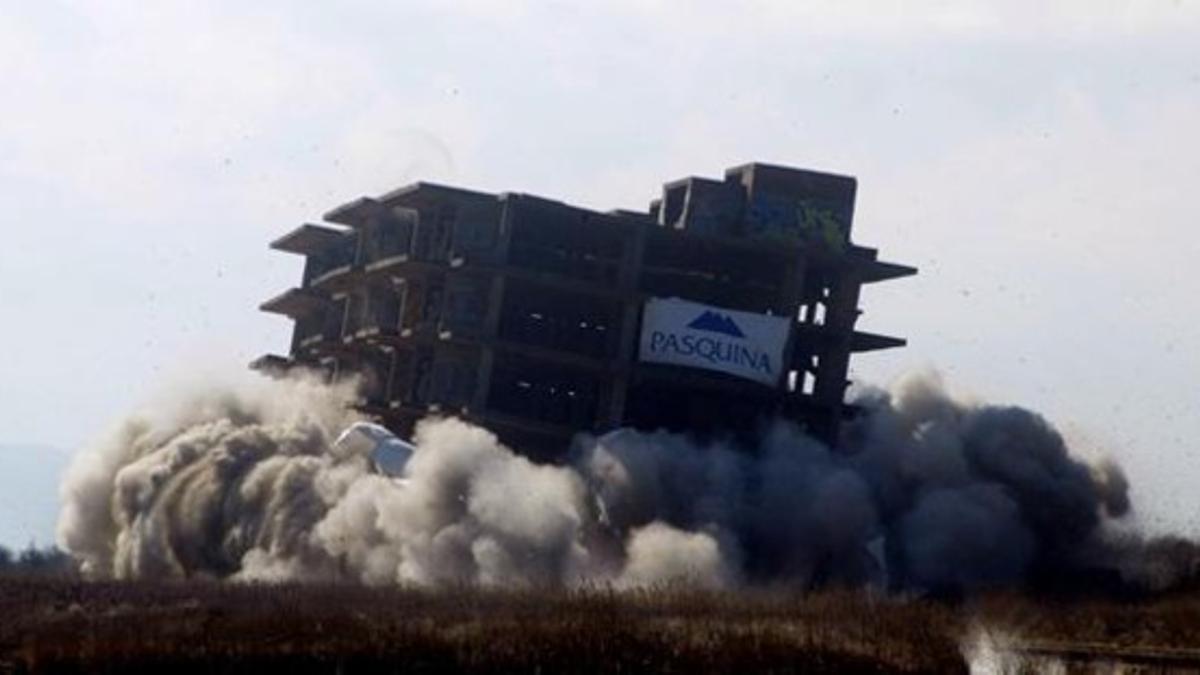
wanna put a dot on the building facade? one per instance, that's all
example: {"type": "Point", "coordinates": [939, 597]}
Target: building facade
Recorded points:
{"type": "Point", "coordinates": [532, 317]}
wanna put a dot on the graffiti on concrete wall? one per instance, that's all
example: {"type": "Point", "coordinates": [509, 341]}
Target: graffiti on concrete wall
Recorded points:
{"type": "Point", "coordinates": [803, 220]}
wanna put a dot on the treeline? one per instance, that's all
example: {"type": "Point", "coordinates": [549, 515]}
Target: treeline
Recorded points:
{"type": "Point", "coordinates": [48, 561]}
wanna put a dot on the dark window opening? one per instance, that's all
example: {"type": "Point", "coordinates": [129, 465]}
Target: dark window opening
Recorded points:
{"type": "Point", "coordinates": [545, 393]}
{"type": "Point", "coordinates": [558, 320]}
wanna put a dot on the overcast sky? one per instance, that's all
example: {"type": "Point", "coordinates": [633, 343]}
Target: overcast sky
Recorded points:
{"type": "Point", "coordinates": [1040, 163]}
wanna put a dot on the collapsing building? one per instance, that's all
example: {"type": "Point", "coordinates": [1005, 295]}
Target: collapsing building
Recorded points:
{"type": "Point", "coordinates": [727, 302]}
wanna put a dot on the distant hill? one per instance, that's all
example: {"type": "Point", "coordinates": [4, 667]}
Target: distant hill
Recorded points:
{"type": "Point", "coordinates": [29, 478]}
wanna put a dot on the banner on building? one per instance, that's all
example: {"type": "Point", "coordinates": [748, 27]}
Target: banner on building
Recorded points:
{"type": "Point", "coordinates": [683, 333]}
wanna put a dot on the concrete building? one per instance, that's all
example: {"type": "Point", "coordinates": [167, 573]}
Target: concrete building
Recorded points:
{"type": "Point", "coordinates": [538, 319]}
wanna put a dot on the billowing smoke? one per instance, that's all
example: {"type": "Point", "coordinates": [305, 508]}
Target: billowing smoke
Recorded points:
{"type": "Point", "coordinates": [927, 493]}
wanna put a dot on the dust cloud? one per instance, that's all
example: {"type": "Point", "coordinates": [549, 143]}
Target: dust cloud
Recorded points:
{"type": "Point", "coordinates": [927, 493]}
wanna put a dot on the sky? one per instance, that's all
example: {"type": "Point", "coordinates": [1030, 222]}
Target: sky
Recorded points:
{"type": "Point", "coordinates": [1038, 161]}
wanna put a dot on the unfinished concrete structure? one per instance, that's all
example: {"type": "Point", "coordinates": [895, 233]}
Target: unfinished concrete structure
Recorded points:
{"type": "Point", "coordinates": [524, 314]}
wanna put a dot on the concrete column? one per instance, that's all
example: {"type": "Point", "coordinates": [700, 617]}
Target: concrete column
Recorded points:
{"type": "Point", "coordinates": [830, 387]}
{"type": "Point", "coordinates": [787, 304]}
{"type": "Point", "coordinates": [612, 412]}
{"type": "Point", "coordinates": [487, 356]}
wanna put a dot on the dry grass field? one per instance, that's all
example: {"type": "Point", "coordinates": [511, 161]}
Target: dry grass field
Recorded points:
{"type": "Point", "coordinates": [64, 625]}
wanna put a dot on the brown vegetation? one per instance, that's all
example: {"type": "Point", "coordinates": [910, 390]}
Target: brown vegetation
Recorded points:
{"type": "Point", "coordinates": [63, 625]}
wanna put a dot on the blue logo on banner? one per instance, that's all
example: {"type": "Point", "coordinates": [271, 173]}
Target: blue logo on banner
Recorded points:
{"type": "Point", "coordinates": [717, 323]}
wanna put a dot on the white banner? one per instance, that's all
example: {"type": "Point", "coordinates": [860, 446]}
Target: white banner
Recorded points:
{"type": "Point", "coordinates": [690, 334]}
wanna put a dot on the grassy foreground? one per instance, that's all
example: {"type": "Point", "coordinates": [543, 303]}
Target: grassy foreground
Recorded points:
{"type": "Point", "coordinates": [62, 625]}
